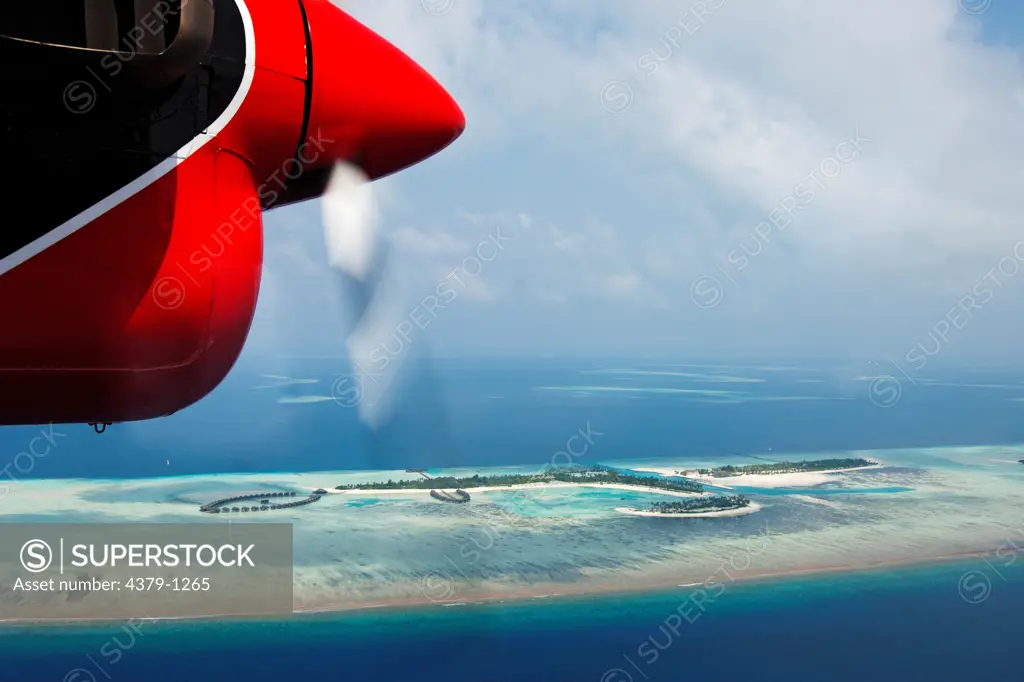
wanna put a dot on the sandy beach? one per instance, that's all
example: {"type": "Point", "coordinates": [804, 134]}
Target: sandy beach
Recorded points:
{"type": "Point", "coordinates": [709, 514]}
{"type": "Point", "coordinates": [524, 486]}
{"type": "Point", "coordinates": [796, 479]}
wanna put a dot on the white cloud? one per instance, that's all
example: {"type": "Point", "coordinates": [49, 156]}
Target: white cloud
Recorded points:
{"type": "Point", "coordinates": [638, 203]}
{"type": "Point", "coordinates": [623, 285]}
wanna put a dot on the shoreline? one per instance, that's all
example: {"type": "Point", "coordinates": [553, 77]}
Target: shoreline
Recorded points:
{"type": "Point", "coordinates": [751, 508]}
{"type": "Point", "coordinates": [521, 486]}
{"type": "Point", "coordinates": [792, 479]}
{"type": "Point", "coordinates": [399, 604]}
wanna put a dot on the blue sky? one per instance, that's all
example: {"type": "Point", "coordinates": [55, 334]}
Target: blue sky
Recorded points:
{"type": "Point", "coordinates": [646, 168]}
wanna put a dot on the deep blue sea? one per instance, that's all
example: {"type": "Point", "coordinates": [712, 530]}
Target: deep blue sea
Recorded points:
{"type": "Point", "coordinates": [895, 625]}
{"type": "Point", "coordinates": [497, 412]}
{"type": "Point", "coordinates": [925, 623]}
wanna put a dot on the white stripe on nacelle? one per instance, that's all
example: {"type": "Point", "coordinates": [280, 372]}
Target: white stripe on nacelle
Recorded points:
{"type": "Point", "coordinates": [166, 166]}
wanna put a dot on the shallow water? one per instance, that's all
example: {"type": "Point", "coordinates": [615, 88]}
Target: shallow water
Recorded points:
{"type": "Point", "coordinates": [355, 549]}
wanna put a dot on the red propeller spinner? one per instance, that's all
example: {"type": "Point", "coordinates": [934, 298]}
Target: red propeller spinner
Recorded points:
{"type": "Point", "coordinates": [382, 110]}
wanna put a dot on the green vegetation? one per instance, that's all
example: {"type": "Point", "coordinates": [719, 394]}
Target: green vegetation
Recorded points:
{"type": "Point", "coordinates": [788, 467]}
{"type": "Point", "coordinates": [700, 504]}
{"type": "Point", "coordinates": [573, 474]}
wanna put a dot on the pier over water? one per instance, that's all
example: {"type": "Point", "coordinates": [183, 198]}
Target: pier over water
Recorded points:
{"type": "Point", "coordinates": [264, 502]}
{"type": "Point", "coordinates": [458, 496]}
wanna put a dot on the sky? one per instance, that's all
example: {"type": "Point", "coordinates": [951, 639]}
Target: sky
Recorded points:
{"type": "Point", "coordinates": [720, 178]}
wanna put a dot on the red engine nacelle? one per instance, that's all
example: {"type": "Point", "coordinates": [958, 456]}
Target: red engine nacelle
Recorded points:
{"type": "Point", "coordinates": [135, 300]}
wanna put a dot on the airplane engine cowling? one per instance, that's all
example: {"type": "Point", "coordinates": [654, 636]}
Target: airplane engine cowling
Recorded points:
{"type": "Point", "coordinates": [181, 320]}
{"type": "Point", "coordinates": [128, 289]}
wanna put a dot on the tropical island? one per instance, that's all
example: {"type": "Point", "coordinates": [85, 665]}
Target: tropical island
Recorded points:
{"type": "Point", "coordinates": [775, 468]}
{"type": "Point", "coordinates": [771, 474]}
{"type": "Point", "coordinates": [710, 506]}
{"type": "Point", "coordinates": [550, 477]}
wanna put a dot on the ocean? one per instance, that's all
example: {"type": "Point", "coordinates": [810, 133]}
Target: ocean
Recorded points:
{"type": "Point", "coordinates": [905, 624]}
{"type": "Point", "coordinates": [945, 621]}
{"type": "Point", "coordinates": [477, 412]}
